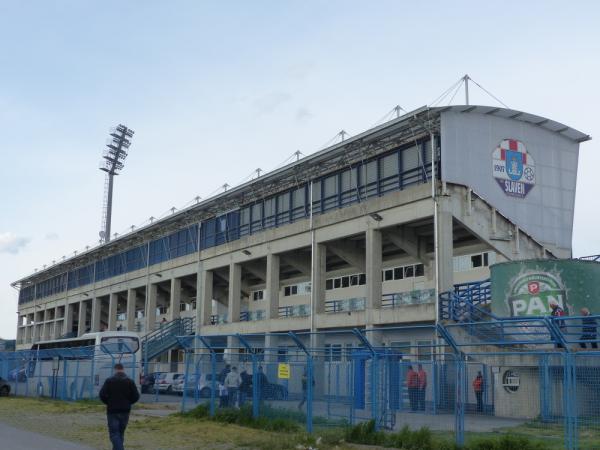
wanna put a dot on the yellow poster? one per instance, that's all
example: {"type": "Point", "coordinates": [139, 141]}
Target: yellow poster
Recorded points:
{"type": "Point", "coordinates": [283, 371]}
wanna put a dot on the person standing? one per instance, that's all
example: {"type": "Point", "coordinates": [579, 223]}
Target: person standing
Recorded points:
{"type": "Point", "coordinates": [557, 311]}
{"type": "Point", "coordinates": [118, 393]}
{"type": "Point", "coordinates": [304, 382]}
{"type": "Point", "coordinates": [478, 388]}
{"type": "Point", "coordinates": [422, 379]}
{"type": "Point", "coordinates": [412, 383]}
{"type": "Point", "coordinates": [589, 329]}
{"type": "Point", "coordinates": [232, 384]}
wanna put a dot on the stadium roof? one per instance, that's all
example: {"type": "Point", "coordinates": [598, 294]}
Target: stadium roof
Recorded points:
{"type": "Point", "coordinates": [406, 128]}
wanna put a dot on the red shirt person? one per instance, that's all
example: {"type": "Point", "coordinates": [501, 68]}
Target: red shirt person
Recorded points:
{"type": "Point", "coordinates": [412, 383]}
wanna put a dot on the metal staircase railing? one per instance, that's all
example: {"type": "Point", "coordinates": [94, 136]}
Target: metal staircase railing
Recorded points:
{"type": "Point", "coordinates": [165, 337]}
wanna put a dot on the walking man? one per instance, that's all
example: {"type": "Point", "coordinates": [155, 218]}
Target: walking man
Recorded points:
{"type": "Point", "coordinates": [412, 383]}
{"type": "Point", "coordinates": [118, 394]}
{"type": "Point", "coordinates": [589, 329]}
{"type": "Point", "coordinates": [478, 388]}
{"type": "Point", "coordinates": [422, 378]}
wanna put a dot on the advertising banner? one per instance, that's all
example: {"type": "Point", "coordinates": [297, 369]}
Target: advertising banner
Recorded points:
{"type": "Point", "coordinates": [526, 288]}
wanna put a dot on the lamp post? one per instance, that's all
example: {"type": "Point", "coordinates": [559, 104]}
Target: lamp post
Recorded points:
{"type": "Point", "coordinates": [114, 158]}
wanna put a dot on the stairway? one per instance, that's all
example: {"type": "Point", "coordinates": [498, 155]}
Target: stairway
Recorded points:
{"type": "Point", "coordinates": [165, 338]}
{"type": "Point", "coordinates": [466, 313]}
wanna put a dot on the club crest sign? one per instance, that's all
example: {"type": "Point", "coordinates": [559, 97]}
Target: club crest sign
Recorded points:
{"type": "Point", "coordinates": [513, 168]}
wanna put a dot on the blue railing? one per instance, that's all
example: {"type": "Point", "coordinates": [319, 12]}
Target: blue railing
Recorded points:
{"type": "Point", "coordinates": [165, 337]}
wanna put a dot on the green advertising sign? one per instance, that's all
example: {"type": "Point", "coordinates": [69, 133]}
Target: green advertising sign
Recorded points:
{"type": "Point", "coordinates": [526, 288]}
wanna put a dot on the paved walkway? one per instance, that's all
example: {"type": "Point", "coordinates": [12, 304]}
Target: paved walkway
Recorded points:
{"type": "Point", "coordinates": [15, 439]}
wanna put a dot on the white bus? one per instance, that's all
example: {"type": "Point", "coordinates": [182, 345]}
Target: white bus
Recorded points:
{"type": "Point", "coordinates": [76, 368]}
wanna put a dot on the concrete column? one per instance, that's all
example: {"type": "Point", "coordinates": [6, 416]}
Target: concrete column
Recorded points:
{"type": "Point", "coordinates": [319, 275]}
{"type": "Point", "coordinates": [175, 298]}
{"type": "Point", "coordinates": [151, 296]}
{"type": "Point", "coordinates": [374, 266]}
{"type": "Point", "coordinates": [47, 325]}
{"type": "Point", "coordinates": [445, 246]}
{"type": "Point", "coordinates": [96, 313]}
{"type": "Point", "coordinates": [68, 322]}
{"type": "Point", "coordinates": [131, 301]}
{"type": "Point", "coordinates": [82, 317]}
{"type": "Point", "coordinates": [235, 293]}
{"type": "Point", "coordinates": [204, 297]}
{"type": "Point", "coordinates": [272, 286]}
{"type": "Point", "coordinates": [113, 302]}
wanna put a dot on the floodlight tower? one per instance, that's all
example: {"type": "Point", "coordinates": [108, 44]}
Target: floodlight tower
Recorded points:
{"type": "Point", "coordinates": [114, 161]}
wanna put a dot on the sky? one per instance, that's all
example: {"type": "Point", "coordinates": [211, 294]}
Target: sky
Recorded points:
{"type": "Point", "coordinates": [215, 90]}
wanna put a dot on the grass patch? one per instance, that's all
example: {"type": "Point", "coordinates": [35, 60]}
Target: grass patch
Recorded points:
{"type": "Point", "coordinates": [243, 417]}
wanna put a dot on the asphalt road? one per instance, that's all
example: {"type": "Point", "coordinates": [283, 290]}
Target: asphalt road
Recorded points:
{"type": "Point", "coordinates": [16, 439]}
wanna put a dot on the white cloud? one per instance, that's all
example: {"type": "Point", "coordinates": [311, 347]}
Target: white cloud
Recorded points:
{"type": "Point", "coordinates": [52, 236]}
{"type": "Point", "coordinates": [11, 243]}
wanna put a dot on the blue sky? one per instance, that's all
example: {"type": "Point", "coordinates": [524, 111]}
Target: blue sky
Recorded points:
{"type": "Point", "coordinates": [215, 90]}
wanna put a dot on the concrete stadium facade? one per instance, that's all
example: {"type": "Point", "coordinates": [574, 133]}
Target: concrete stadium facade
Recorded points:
{"type": "Point", "coordinates": [357, 235]}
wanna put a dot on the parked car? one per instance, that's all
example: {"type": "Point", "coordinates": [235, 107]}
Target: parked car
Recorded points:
{"type": "Point", "coordinates": [147, 381]}
{"type": "Point", "coordinates": [165, 381]}
{"type": "Point", "coordinates": [204, 386]}
{"type": "Point", "coordinates": [4, 388]}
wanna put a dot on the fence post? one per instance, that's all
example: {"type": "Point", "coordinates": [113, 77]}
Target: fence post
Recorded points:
{"type": "Point", "coordinates": [309, 394]}
{"type": "Point", "coordinates": [185, 380]}
{"type": "Point", "coordinates": [545, 389]}
{"type": "Point", "coordinates": [374, 379]}
{"type": "Point", "coordinates": [569, 401]}
{"type": "Point", "coordinates": [255, 387]}
{"type": "Point", "coordinates": [460, 402]}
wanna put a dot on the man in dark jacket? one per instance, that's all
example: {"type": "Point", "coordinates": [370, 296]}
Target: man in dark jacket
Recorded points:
{"type": "Point", "coordinates": [118, 394]}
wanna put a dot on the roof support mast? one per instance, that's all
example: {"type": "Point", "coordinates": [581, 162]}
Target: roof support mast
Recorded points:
{"type": "Point", "coordinates": [466, 80]}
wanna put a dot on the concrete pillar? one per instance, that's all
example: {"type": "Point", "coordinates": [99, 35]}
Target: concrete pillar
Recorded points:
{"type": "Point", "coordinates": [175, 298]}
{"type": "Point", "coordinates": [319, 275]}
{"type": "Point", "coordinates": [68, 322]}
{"type": "Point", "coordinates": [96, 314]}
{"type": "Point", "coordinates": [374, 265]}
{"type": "Point", "coordinates": [204, 297]}
{"type": "Point", "coordinates": [445, 246]}
{"type": "Point", "coordinates": [82, 317]}
{"type": "Point", "coordinates": [113, 303]}
{"type": "Point", "coordinates": [47, 325]}
{"type": "Point", "coordinates": [151, 296]}
{"type": "Point", "coordinates": [235, 292]}
{"type": "Point", "coordinates": [131, 301]}
{"type": "Point", "coordinates": [272, 286]}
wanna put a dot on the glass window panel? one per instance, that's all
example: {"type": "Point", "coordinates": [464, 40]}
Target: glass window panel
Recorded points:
{"type": "Point", "coordinates": [419, 270]}
{"type": "Point", "coordinates": [410, 158]}
{"type": "Point", "coordinates": [345, 282]}
{"type": "Point", "coordinates": [389, 165]}
{"type": "Point", "coordinates": [388, 275]}
{"type": "Point", "coordinates": [476, 261]}
{"type": "Point", "coordinates": [409, 272]}
{"type": "Point", "coordinates": [362, 279]}
{"type": "Point", "coordinates": [331, 186]}
{"type": "Point", "coordinates": [398, 273]}
{"type": "Point", "coordinates": [329, 284]}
